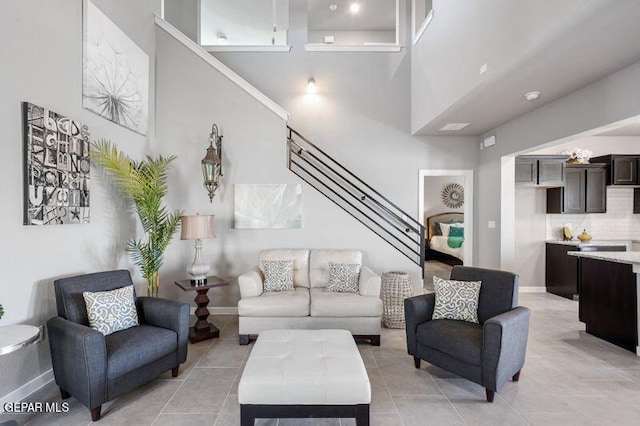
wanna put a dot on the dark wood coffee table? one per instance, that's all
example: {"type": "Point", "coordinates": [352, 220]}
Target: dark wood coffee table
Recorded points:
{"type": "Point", "coordinates": [202, 330]}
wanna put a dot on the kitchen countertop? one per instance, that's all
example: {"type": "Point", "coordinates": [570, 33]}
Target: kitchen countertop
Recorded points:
{"type": "Point", "coordinates": [592, 242]}
{"type": "Point", "coordinates": [628, 257]}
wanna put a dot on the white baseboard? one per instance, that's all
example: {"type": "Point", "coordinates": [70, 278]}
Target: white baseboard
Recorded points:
{"type": "Point", "coordinates": [533, 290]}
{"type": "Point", "coordinates": [27, 389]}
{"type": "Point", "coordinates": [219, 310]}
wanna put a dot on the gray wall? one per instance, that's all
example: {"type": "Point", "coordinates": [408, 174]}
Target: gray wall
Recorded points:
{"type": "Point", "coordinates": [41, 47]}
{"type": "Point", "coordinates": [183, 14]}
{"type": "Point", "coordinates": [360, 116]}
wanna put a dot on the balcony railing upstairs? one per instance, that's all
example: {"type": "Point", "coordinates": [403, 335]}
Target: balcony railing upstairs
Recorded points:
{"type": "Point", "coordinates": [356, 197]}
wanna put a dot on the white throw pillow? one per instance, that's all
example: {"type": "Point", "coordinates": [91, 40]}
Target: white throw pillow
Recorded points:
{"type": "Point", "coordinates": [278, 275]}
{"type": "Point", "coordinates": [457, 300]}
{"type": "Point", "coordinates": [343, 277]}
{"type": "Point", "coordinates": [444, 227]}
{"type": "Point", "coordinates": [111, 311]}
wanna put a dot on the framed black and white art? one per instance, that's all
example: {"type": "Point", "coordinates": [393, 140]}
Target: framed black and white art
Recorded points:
{"type": "Point", "coordinates": [115, 72]}
{"type": "Point", "coordinates": [56, 168]}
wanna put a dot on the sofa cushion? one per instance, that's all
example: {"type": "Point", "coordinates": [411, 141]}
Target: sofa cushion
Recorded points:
{"type": "Point", "coordinates": [300, 263]}
{"type": "Point", "coordinates": [459, 339]}
{"type": "Point", "coordinates": [328, 304]}
{"type": "Point", "coordinates": [130, 349]}
{"type": "Point", "coordinates": [343, 277]}
{"type": "Point", "coordinates": [278, 275]}
{"type": "Point", "coordinates": [319, 264]}
{"type": "Point", "coordinates": [276, 304]}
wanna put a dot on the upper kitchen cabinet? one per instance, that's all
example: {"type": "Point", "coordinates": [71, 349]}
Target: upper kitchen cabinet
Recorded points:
{"type": "Point", "coordinates": [636, 200]}
{"type": "Point", "coordinates": [584, 190]}
{"type": "Point", "coordinates": [538, 170]}
{"type": "Point", "coordinates": [622, 169]}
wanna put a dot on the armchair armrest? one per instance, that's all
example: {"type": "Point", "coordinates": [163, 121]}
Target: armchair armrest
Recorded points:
{"type": "Point", "coordinates": [417, 309]}
{"type": "Point", "coordinates": [251, 283]}
{"type": "Point", "coordinates": [79, 358]}
{"type": "Point", "coordinates": [504, 346]}
{"type": "Point", "coordinates": [168, 314]}
{"type": "Point", "coordinates": [369, 283]}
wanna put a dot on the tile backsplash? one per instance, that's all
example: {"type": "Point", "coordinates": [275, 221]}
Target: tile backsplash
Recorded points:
{"type": "Point", "coordinates": [618, 223]}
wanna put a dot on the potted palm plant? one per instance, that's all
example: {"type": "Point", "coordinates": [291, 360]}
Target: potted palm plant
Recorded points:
{"type": "Point", "coordinates": [146, 183]}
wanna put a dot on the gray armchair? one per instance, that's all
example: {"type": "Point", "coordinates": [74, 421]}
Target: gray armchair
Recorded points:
{"type": "Point", "coordinates": [488, 353]}
{"type": "Point", "coordinates": [95, 368]}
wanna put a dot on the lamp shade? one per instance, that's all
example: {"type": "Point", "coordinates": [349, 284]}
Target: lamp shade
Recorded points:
{"type": "Point", "coordinates": [197, 227]}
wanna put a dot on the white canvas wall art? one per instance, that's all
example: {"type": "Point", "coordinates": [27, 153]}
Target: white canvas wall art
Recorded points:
{"type": "Point", "coordinates": [115, 74]}
{"type": "Point", "coordinates": [277, 206]}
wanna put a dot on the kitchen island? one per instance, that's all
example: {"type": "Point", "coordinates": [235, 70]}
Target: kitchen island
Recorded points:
{"type": "Point", "coordinates": [609, 299]}
{"type": "Point", "coordinates": [561, 270]}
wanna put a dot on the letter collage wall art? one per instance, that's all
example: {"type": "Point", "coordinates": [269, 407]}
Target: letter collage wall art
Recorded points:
{"type": "Point", "coordinates": [56, 169]}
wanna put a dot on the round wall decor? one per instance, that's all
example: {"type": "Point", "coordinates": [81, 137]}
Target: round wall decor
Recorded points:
{"type": "Point", "coordinates": [453, 195]}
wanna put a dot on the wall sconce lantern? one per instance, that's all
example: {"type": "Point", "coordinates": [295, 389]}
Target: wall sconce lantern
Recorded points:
{"type": "Point", "coordinates": [212, 163]}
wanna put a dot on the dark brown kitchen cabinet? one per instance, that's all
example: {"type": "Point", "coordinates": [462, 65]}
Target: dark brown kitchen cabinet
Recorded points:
{"type": "Point", "coordinates": [584, 190]}
{"type": "Point", "coordinates": [547, 170]}
{"type": "Point", "coordinates": [636, 200]}
{"type": "Point", "coordinates": [526, 170]}
{"type": "Point", "coordinates": [561, 271]}
{"type": "Point", "coordinates": [622, 169]}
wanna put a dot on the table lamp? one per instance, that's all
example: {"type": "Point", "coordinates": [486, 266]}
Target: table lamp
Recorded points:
{"type": "Point", "coordinates": [197, 227]}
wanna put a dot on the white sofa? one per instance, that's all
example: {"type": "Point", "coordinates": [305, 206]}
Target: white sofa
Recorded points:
{"type": "Point", "coordinates": [309, 306]}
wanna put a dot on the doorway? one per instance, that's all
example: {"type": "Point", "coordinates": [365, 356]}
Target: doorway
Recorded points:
{"type": "Point", "coordinates": [445, 208]}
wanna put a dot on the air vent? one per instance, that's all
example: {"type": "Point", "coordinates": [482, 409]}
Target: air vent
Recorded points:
{"type": "Point", "coordinates": [454, 126]}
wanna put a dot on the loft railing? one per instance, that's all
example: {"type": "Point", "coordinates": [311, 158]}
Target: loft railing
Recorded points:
{"type": "Point", "coordinates": [356, 197]}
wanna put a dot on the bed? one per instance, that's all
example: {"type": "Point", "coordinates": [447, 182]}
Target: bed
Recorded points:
{"type": "Point", "coordinates": [441, 247]}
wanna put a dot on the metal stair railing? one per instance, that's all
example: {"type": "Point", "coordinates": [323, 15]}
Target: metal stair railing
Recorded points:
{"type": "Point", "coordinates": [356, 197]}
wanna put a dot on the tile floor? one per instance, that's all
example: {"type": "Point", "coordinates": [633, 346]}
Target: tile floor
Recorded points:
{"type": "Point", "coordinates": [435, 268]}
{"type": "Point", "coordinates": [569, 378]}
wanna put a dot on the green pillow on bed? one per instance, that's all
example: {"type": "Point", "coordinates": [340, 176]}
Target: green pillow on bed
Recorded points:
{"type": "Point", "coordinates": [456, 231]}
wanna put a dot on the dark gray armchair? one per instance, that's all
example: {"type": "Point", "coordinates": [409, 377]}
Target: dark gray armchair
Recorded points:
{"type": "Point", "coordinates": [95, 368]}
{"type": "Point", "coordinates": [488, 353]}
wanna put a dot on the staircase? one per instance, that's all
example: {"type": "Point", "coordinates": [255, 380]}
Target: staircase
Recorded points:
{"type": "Point", "coordinates": [356, 197]}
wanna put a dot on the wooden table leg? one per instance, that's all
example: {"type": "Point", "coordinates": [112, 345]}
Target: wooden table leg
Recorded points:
{"type": "Point", "coordinates": [203, 329]}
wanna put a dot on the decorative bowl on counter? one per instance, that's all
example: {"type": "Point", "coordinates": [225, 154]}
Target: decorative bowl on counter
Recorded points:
{"type": "Point", "coordinates": [584, 237]}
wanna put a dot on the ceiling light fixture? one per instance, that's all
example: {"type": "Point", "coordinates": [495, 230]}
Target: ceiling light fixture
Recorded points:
{"type": "Point", "coordinates": [454, 126]}
{"type": "Point", "coordinates": [333, 7]}
{"type": "Point", "coordinates": [311, 86]}
{"type": "Point", "coordinates": [354, 8]}
{"type": "Point", "coordinates": [222, 39]}
{"type": "Point", "coordinates": [532, 96]}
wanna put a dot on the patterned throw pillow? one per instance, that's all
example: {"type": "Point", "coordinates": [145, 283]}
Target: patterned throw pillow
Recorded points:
{"type": "Point", "coordinates": [343, 277]}
{"type": "Point", "coordinates": [111, 311]}
{"type": "Point", "coordinates": [278, 275]}
{"type": "Point", "coordinates": [457, 300]}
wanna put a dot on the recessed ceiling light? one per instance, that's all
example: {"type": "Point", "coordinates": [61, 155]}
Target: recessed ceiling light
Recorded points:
{"type": "Point", "coordinates": [333, 7]}
{"type": "Point", "coordinates": [454, 126]}
{"type": "Point", "coordinates": [532, 96]}
{"type": "Point", "coordinates": [354, 8]}
{"type": "Point", "coordinates": [222, 39]}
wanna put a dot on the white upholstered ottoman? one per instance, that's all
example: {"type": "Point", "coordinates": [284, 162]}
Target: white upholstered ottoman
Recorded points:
{"type": "Point", "coordinates": [304, 373]}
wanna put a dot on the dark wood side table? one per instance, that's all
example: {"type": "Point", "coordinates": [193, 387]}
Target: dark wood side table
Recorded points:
{"type": "Point", "coordinates": [203, 329]}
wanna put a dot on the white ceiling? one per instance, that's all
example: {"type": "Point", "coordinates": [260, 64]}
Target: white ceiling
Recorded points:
{"type": "Point", "coordinates": [374, 15]}
{"type": "Point", "coordinates": [591, 46]}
